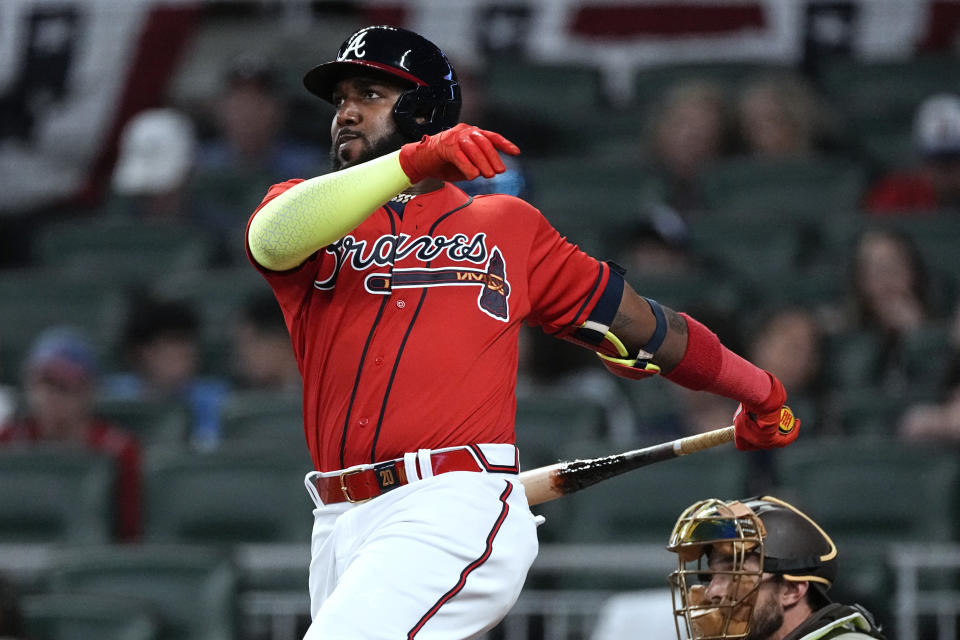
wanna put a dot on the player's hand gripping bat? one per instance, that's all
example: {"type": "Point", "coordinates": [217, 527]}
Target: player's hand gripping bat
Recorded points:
{"type": "Point", "coordinates": [553, 481]}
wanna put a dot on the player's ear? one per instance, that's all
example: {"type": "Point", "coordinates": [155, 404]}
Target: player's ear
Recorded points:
{"type": "Point", "coordinates": [793, 592]}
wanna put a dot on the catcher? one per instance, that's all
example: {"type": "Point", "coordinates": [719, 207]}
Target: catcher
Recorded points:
{"type": "Point", "coordinates": [759, 569]}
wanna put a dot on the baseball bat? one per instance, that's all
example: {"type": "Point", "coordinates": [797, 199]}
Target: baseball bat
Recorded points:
{"type": "Point", "coordinates": [556, 480]}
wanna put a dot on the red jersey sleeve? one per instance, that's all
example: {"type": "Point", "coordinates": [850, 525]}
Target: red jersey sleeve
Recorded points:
{"type": "Point", "coordinates": [564, 282]}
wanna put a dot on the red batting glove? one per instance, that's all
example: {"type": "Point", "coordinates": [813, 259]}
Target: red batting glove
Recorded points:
{"type": "Point", "coordinates": [461, 153]}
{"type": "Point", "coordinates": [768, 425]}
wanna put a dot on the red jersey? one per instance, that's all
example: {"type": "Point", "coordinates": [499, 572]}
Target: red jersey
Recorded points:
{"type": "Point", "coordinates": [406, 329]}
{"type": "Point", "coordinates": [122, 447]}
{"type": "Point", "coordinates": [901, 193]}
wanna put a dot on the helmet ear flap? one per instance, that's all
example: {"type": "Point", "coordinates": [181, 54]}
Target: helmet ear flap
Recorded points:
{"type": "Point", "coordinates": [427, 110]}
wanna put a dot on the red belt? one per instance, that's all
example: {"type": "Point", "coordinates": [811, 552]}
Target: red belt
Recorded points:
{"type": "Point", "coordinates": [360, 485]}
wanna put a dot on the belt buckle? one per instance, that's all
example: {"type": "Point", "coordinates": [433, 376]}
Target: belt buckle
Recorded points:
{"type": "Point", "coordinates": [343, 485]}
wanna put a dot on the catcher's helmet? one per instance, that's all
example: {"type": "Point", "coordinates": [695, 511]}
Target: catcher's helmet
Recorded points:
{"type": "Point", "coordinates": [782, 538]}
{"type": "Point", "coordinates": [434, 93]}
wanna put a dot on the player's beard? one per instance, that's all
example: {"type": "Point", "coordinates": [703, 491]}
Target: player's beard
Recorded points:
{"type": "Point", "coordinates": [767, 618]}
{"type": "Point", "coordinates": [379, 147]}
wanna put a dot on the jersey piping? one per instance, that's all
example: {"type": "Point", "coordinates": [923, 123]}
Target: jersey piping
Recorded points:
{"type": "Point", "coordinates": [586, 300]}
{"type": "Point", "coordinates": [504, 509]}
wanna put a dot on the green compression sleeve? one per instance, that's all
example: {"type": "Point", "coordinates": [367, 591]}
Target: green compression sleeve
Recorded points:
{"type": "Point", "coordinates": [319, 211]}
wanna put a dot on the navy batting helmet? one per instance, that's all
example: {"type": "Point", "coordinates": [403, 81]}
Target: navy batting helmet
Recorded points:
{"type": "Point", "coordinates": [432, 103]}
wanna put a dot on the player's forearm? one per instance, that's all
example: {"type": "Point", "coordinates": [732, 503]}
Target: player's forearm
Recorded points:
{"type": "Point", "coordinates": [690, 354]}
{"type": "Point", "coordinates": [321, 210]}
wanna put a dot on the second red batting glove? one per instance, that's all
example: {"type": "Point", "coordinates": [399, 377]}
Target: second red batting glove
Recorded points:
{"type": "Point", "coordinates": [768, 425]}
{"type": "Point", "coordinates": [461, 153]}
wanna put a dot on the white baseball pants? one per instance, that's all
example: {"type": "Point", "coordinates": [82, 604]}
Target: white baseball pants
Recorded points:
{"type": "Point", "coordinates": [443, 558]}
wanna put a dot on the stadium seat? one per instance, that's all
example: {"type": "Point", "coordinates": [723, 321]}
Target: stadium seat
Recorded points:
{"type": "Point", "coordinates": [88, 617]}
{"type": "Point", "coordinates": [807, 190]}
{"type": "Point", "coordinates": [560, 92]}
{"type": "Point", "coordinates": [55, 494]}
{"type": "Point", "coordinates": [869, 493]}
{"type": "Point", "coordinates": [545, 421]}
{"type": "Point", "coordinates": [191, 590]}
{"type": "Point", "coordinates": [880, 489]}
{"type": "Point", "coordinates": [231, 495]}
{"type": "Point", "coordinates": [152, 422]}
{"type": "Point", "coordinates": [884, 95]}
{"type": "Point", "coordinates": [125, 253]}
{"type": "Point", "coordinates": [866, 411]}
{"type": "Point", "coordinates": [937, 235]}
{"type": "Point", "coordinates": [268, 418]}
{"type": "Point", "coordinates": [854, 358]}
{"type": "Point", "coordinates": [586, 199]}
{"type": "Point", "coordinates": [34, 299]}
{"type": "Point", "coordinates": [650, 85]}
{"type": "Point", "coordinates": [698, 289]}
{"type": "Point", "coordinates": [753, 249]}
{"type": "Point", "coordinates": [218, 295]}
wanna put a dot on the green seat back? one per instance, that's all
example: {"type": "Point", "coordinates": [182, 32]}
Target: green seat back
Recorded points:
{"type": "Point", "coordinates": [150, 421]}
{"type": "Point", "coordinates": [231, 495]}
{"type": "Point", "coordinates": [51, 493]}
{"type": "Point", "coordinates": [270, 418]}
{"type": "Point", "coordinates": [88, 617]}
{"type": "Point", "coordinates": [192, 590]}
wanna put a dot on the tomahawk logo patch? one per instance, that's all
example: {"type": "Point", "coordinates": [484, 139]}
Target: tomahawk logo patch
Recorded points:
{"type": "Point", "coordinates": [494, 288]}
{"type": "Point", "coordinates": [491, 279]}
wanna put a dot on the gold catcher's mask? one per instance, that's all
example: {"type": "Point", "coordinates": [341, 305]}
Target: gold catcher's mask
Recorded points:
{"type": "Point", "coordinates": [723, 550]}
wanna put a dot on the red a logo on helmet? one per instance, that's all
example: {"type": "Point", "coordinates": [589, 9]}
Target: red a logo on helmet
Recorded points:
{"type": "Point", "coordinates": [355, 46]}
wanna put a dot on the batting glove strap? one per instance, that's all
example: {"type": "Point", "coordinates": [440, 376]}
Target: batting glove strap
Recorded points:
{"type": "Point", "coordinates": [632, 368]}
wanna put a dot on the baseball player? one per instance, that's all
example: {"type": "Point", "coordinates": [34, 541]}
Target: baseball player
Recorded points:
{"type": "Point", "coordinates": [403, 297]}
{"type": "Point", "coordinates": [758, 568]}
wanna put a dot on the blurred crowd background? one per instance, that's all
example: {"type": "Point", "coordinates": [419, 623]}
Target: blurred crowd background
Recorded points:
{"type": "Point", "coordinates": [787, 172]}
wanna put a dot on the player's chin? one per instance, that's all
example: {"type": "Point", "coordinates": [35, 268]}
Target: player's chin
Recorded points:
{"type": "Point", "coordinates": [347, 156]}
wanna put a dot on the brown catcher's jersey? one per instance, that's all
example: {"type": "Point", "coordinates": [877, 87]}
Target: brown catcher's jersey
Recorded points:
{"type": "Point", "coordinates": [406, 329]}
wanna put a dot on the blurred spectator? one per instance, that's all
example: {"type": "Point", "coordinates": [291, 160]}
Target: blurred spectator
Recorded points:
{"type": "Point", "coordinates": [939, 421]}
{"type": "Point", "coordinates": [250, 119]}
{"type": "Point", "coordinates": [154, 168]}
{"type": "Point", "coordinates": [534, 134]}
{"type": "Point", "coordinates": [935, 183]}
{"type": "Point", "coordinates": [789, 344]}
{"type": "Point", "coordinates": [782, 117]}
{"type": "Point", "coordinates": [658, 244]}
{"type": "Point", "coordinates": [60, 381]}
{"type": "Point", "coordinates": [891, 287]}
{"type": "Point", "coordinates": [8, 395]}
{"type": "Point", "coordinates": [11, 612]}
{"type": "Point", "coordinates": [690, 130]}
{"type": "Point", "coordinates": [248, 148]}
{"type": "Point", "coordinates": [162, 345]}
{"type": "Point", "coordinates": [512, 182]}
{"type": "Point", "coordinates": [889, 297]}
{"type": "Point", "coordinates": [264, 357]}
{"type": "Point", "coordinates": [478, 110]}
